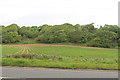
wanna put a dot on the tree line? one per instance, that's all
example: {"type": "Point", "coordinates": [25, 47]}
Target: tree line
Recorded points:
{"type": "Point", "coordinates": [105, 36]}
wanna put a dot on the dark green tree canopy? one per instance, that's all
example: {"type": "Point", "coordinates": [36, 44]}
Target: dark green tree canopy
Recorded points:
{"type": "Point", "coordinates": [104, 36]}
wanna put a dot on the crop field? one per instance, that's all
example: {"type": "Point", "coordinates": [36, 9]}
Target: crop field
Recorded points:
{"type": "Point", "coordinates": [59, 56]}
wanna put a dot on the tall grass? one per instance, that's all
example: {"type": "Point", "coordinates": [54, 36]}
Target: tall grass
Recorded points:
{"type": "Point", "coordinates": [56, 64]}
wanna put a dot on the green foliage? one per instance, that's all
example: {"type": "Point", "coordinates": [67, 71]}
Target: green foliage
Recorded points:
{"type": "Point", "coordinates": [10, 34]}
{"type": "Point", "coordinates": [28, 32]}
{"type": "Point", "coordinates": [105, 36]}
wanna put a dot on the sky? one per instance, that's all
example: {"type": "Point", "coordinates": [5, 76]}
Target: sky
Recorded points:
{"type": "Point", "coordinates": [55, 12]}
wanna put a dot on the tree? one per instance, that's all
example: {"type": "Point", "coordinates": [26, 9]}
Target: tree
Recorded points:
{"type": "Point", "coordinates": [10, 34]}
{"type": "Point", "coordinates": [103, 38]}
{"type": "Point", "coordinates": [29, 32]}
{"type": "Point", "coordinates": [11, 37]}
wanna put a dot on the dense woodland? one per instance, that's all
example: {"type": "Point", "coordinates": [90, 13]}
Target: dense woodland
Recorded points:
{"type": "Point", "coordinates": [105, 36]}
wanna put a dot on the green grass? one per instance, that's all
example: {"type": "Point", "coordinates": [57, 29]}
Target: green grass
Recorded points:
{"type": "Point", "coordinates": [56, 64]}
{"type": "Point", "coordinates": [60, 57]}
{"type": "Point", "coordinates": [75, 51]}
{"type": "Point", "coordinates": [9, 50]}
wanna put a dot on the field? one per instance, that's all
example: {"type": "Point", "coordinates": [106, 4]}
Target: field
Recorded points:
{"type": "Point", "coordinates": [59, 56]}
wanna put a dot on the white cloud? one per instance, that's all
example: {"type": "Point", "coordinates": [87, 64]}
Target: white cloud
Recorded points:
{"type": "Point", "coordinates": [38, 12]}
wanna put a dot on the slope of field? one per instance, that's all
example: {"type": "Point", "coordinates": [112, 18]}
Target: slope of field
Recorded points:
{"type": "Point", "coordinates": [60, 56]}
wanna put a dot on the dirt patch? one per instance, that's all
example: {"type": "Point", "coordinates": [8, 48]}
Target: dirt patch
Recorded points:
{"type": "Point", "coordinates": [55, 45]}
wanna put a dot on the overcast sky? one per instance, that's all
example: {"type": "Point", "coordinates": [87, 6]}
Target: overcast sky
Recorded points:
{"type": "Point", "coordinates": [39, 12]}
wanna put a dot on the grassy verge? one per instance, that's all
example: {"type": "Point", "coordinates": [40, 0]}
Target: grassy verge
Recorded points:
{"type": "Point", "coordinates": [56, 64]}
{"type": "Point", "coordinates": [60, 57]}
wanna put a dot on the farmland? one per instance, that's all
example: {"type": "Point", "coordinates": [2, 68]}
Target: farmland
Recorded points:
{"type": "Point", "coordinates": [61, 46]}
{"type": "Point", "coordinates": [59, 56]}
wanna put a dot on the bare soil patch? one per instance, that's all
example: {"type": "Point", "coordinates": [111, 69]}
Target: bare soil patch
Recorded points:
{"type": "Point", "coordinates": [54, 45]}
